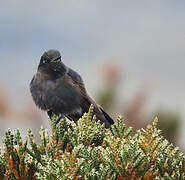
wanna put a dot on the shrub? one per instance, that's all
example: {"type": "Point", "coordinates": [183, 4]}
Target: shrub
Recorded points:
{"type": "Point", "coordinates": [86, 150]}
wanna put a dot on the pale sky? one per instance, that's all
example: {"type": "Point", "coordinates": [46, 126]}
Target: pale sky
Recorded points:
{"type": "Point", "coordinates": [148, 37]}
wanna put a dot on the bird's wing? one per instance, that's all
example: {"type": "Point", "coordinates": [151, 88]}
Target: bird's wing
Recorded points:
{"type": "Point", "coordinates": [87, 101]}
{"type": "Point", "coordinates": [78, 82]}
{"type": "Point", "coordinates": [74, 75]}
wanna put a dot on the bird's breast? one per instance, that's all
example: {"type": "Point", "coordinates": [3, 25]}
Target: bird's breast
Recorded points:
{"type": "Point", "coordinates": [59, 95]}
{"type": "Point", "coordinates": [39, 87]}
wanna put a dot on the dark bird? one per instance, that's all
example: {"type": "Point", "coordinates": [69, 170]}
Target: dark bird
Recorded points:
{"type": "Point", "coordinates": [59, 90]}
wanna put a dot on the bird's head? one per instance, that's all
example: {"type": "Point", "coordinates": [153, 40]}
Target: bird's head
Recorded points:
{"type": "Point", "coordinates": [51, 60]}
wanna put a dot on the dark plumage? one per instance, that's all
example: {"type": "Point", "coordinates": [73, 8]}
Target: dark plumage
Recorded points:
{"type": "Point", "coordinates": [58, 89]}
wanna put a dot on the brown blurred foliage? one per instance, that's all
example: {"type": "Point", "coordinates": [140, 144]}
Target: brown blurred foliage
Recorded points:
{"type": "Point", "coordinates": [169, 123]}
{"type": "Point", "coordinates": [106, 96]}
{"type": "Point", "coordinates": [4, 103]}
{"type": "Point", "coordinates": [134, 111]}
{"type": "Point", "coordinates": [23, 116]}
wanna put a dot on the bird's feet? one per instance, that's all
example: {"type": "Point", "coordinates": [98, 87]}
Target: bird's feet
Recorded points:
{"type": "Point", "coordinates": [50, 114]}
{"type": "Point", "coordinates": [61, 116]}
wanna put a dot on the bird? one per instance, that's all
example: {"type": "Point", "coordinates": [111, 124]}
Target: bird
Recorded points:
{"type": "Point", "coordinates": [59, 90]}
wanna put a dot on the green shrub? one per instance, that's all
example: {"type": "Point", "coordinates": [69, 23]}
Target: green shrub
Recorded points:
{"type": "Point", "coordinates": [87, 150]}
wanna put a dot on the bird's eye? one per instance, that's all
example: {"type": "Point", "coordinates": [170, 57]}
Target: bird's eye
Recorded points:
{"type": "Point", "coordinates": [45, 61]}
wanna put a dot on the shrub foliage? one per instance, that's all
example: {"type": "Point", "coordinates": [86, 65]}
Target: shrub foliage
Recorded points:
{"type": "Point", "coordinates": [86, 150]}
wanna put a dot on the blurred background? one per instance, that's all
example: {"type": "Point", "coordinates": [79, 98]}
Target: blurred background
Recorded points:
{"type": "Point", "coordinates": [131, 55]}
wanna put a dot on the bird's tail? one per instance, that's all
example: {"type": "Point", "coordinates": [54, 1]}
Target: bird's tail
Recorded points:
{"type": "Point", "coordinates": [107, 117]}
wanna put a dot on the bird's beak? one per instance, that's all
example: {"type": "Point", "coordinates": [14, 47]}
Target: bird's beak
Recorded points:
{"type": "Point", "coordinates": [57, 59]}
{"type": "Point", "coordinates": [54, 63]}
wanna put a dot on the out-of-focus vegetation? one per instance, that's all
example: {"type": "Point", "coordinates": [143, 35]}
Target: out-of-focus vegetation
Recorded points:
{"type": "Point", "coordinates": [87, 150]}
{"type": "Point", "coordinates": [169, 124]}
{"type": "Point", "coordinates": [22, 115]}
{"type": "Point", "coordinates": [135, 110]}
